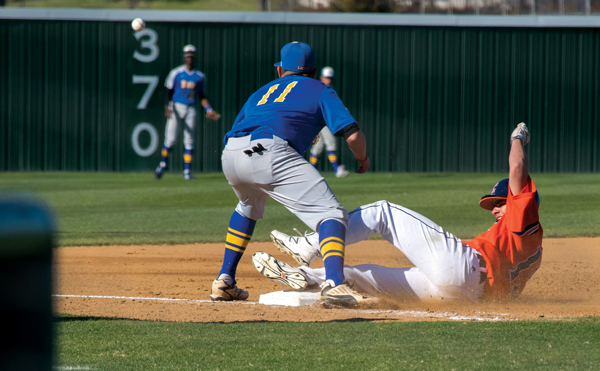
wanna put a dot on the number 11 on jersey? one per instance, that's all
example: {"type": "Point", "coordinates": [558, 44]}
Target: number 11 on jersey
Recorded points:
{"type": "Point", "coordinates": [281, 97]}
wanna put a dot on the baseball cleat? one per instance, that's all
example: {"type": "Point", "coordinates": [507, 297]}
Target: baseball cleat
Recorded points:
{"type": "Point", "coordinates": [344, 296]}
{"type": "Point", "coordinates": [279, 271]}
{"type": "Point", "coordinates": [341, 171]}
{"type": "Point", "coordinates": [158, 173]}
{"type": "Point", "coordinates": [298, 247]}
{"type": "Point", "coordinates": [221, 291]}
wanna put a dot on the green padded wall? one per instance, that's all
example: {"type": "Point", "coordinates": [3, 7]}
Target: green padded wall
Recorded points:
{"type": "Point", "coordinates": [429, 98]}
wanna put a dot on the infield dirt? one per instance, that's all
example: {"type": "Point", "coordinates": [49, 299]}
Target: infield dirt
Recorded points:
{"type": "Point", "coordinates": [566, 285]}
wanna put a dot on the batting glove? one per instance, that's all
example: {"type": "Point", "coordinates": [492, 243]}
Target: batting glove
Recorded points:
{"type": "Point", "coordinates": [520, 132]}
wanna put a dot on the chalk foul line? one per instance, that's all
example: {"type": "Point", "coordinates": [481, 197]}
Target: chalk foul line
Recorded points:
{"type": "Point", "coordinates": [412, 313]}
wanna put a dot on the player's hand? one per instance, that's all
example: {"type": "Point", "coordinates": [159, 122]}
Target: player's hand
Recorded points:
{"type": "Point", "coordinates": [364, 165]}
{"type": "Point", "coordinates": [213, 115]}
{"type": "Point", "coordinates": [316, 139]}
{"type": "Point", "coordinates": [521, 132]}
{"type": "Point", "coordinates": [167, 112]}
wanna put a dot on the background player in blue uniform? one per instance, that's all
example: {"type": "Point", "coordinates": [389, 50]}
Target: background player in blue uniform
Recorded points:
{"type": "Point", "coordinates": [185, 86]}
{"type": "Point", "coordinates": [263, 158]}
{"type": "Point", "coordinates": [326, 138]}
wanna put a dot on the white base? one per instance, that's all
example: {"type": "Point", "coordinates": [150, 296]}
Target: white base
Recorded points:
{"type": "Point", "coordinates": [290, 298]}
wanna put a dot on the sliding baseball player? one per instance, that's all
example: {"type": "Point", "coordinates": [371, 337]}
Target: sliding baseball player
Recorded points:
{"type": "Point", "coordinates": [498, 263]}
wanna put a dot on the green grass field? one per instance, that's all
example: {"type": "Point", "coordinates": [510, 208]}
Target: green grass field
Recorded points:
{"type": "Point", "coordinates": [116, 208]}
{"type": "Point", "coordinates": [133, 208]}
{"type": "Point", "coordinates": [105, 344]}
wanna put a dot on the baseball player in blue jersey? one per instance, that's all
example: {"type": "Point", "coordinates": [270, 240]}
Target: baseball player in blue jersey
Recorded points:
{"type": "Point", "coordinates": [263, 158]}
{"type": "Point", "coordinates": [185, 86]}
{"type": "Point", "coordinates": [326, 138]}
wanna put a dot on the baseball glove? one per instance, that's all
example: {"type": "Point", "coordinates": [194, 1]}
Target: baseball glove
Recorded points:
{"type": "Point", "coordinates": [520, 132]}
{"type": "Point", "coordinates": [316, 139]}
{"type": "Point", "coordinates": [213, 115]}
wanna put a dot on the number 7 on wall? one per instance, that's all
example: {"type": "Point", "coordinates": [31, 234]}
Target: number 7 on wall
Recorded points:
{"type": "Point", "coordinates": [152, 82]}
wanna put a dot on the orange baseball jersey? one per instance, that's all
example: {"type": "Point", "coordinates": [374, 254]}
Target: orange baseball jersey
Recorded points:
{"type": "Point", "coordinates": [512, 247]}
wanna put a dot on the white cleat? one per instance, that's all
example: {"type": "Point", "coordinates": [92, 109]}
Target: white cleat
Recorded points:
{"type": "Point", "coordinates": [279, 271]}
{"type": "Point", "coordinates": [341, 171]}
{"type": "Point", "coordinates": [343, 295]}
{"type": "Point", "coordinates": [298, 247]}
{"type": "Point", "coordinates": [221, 291]}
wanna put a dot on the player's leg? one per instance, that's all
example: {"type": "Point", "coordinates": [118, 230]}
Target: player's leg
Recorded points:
{"type": "Point", "coordinates": [302, 190]}
{"type": "Point", "coordinates": [170, 140]}
{"type": "Point", "coordinates": [450, 265]}
{"type": "Point", "coordinates": [188, 141]}
{"type": "Point", "coordinates": [447, 263]}
{"type": "Point", "coordinates": [316, 150]}
{"type": "Point", "coordinates": [374, 280]}
{"type": "Point", "coordinates": [241, 224]}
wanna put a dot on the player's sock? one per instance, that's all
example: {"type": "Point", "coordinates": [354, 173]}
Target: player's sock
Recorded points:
{"type": "Point", "coordinates": [164, 155]}
{"type": "Point", "coordinates": [333, 160]}
{"type": "Point", "coordinates": [332, 236]}
{"type": "Point", "coordinates": [238, 235]}
{"type": "Point", "coordinates": [313, 160]}
{"type": "Point", "coordinates": [187, 161]}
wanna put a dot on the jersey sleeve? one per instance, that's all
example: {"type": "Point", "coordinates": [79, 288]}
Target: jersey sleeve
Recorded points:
{"type": "Point", "coordinates": [523, 209]}
{"type": "Point", "coordinates": [335, 114]}
{"type": "Point", "coordinates": [170, 81]}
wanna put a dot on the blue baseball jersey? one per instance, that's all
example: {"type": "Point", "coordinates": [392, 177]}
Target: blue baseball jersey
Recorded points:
{"type": "Point", "coordinates": [294, 108]}
{"type": "Point", "coordinates": [187, 85]}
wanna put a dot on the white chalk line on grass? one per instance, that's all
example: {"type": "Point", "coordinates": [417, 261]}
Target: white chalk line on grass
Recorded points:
{"type": "Point", "coordinates": [412, 313]}
{"type": "Point", "coordinates": [73, 368]}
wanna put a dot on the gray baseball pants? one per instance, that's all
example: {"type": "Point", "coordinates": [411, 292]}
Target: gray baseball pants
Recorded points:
{"type": "Point", "coordinates": [182, 116]}
{"type": "Point", "coordinates": [281, 173]}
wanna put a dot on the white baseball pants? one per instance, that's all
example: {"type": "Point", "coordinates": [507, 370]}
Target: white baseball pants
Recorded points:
{"type": "Point", "coordinates": [281, 173]}
{"type": "Point", "coordinates": [445, 267]}
{"type": "Point", "coordinates": [326, 139]}
{"type": "Point", "coordinates": [182, 116]}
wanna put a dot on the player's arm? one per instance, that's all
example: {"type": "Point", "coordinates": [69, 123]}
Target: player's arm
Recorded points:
{"type": "Point", "coordinates": [210, 112]}
{"type": "Point", "coordinates": [168, 99]}
{"type": "Point", "coordinates": [170, 84]}
{"type": "Point", "coordinates": [357, 142]}
{"type": "Point", "coordinates": [517, 159]}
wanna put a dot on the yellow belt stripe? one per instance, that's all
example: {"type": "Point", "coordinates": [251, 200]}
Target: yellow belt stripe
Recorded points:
{"type": "Point", "coordinates": [235, 240]}
{"type": "Point", "coordinates": [240, 233]}
{"type": "Point", "coordinates": [327, 240]}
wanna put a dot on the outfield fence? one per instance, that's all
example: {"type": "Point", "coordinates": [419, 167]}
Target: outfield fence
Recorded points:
{"type": "Point", "coordinates": [80, 91]}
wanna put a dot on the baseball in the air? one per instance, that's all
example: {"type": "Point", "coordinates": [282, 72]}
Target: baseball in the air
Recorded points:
{"type": "Point", "coordinates": [138, 24]}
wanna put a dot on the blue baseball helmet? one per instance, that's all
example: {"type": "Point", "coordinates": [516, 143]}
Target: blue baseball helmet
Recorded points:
{"type": "Point", "coordinates": [499, 192]}
{"type": "Point", "coordinates": [297, 56]}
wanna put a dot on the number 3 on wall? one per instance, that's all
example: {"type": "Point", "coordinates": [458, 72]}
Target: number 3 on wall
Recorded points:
{"type": "Point", "coordinates": [150, 44]}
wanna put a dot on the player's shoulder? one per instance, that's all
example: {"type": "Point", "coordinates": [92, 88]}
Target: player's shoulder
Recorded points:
{"type": "Point", "coordinates": [199, 73]}
{"type": "Point", "coordinates": [176, 71]}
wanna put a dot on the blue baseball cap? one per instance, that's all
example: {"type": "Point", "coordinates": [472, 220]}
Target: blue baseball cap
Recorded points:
{"type": "Point", "coordinates": [297, 56]}
{"type": "Point", "coordinates": [499, 192]}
